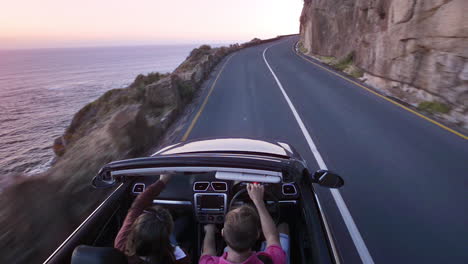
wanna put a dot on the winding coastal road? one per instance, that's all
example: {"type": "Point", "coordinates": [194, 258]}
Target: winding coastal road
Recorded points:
{"type": "Point", "coordinates": [405, 198]}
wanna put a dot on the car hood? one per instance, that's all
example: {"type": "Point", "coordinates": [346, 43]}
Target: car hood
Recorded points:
{"type": "Point", "coordinates": [230, 145]}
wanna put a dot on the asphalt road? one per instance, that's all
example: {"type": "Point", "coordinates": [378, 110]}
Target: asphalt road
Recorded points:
{"type": "Point", "coordinates": [406, 178]}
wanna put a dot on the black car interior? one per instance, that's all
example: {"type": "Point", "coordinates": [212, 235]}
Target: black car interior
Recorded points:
{"type": "Point", "coordinates": [195, 199]}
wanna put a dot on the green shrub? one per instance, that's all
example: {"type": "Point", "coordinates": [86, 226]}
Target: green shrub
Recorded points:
{"type": "Point", "coordinates": [354, 71]}
{"type": "Point", "coordinates": [186, 91]}
{"type": "Point", "coordinates": [357, 73]}
{"type": "Point", "coordinates": [327, 59]}
{"type": "Point", "coordinates": [142, 80]}
{"type": "Point", "coordinates": [205, 47]}
{"type": "Point", "coordinates": [344, 62]}
{"type": "Point", "coordinates": [109, 94]}
{"type": "Point", "coordinates": [85, 113]}
{"type": "Point", "coordinates": [197, 54]}
{"type": "Point", "coordinates": [302, 49]}
{"type": "Point", "coordinates": [434, 107]}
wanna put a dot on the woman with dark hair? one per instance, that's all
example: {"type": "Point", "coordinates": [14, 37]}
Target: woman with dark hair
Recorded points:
{"type": "Point", "coordinates": [146, 231]}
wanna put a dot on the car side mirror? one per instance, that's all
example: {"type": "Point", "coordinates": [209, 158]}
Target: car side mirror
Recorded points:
{"type": "Point", "coordinates": [327, 179]}
{"type": "Point", "coordinates": [103, 180]}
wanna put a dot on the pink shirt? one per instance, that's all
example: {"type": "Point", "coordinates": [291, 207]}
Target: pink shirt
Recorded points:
{"type": "Point", "coordinates": [276, 253]}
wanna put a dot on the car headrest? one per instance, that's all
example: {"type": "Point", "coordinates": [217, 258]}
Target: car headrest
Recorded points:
{"type": "Point", "coordinates": [97, 255]}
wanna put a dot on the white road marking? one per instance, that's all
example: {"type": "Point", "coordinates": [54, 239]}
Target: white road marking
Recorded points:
{"type": "Point", "coordinates": [347, 218]}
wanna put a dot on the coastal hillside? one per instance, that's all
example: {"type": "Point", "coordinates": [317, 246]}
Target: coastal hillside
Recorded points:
{"type": "Point", "coordinates": [414, 50]}
{"type": "Point", "coordinates": [122, 123]}
{"type": "Point", "coordinates": [39, 212]}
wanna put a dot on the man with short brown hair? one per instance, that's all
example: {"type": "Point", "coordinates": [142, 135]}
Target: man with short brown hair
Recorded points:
{"type": "Point", "coordinates": [241, 228]}
{"type": "Point", "coordinates": [241, 231]}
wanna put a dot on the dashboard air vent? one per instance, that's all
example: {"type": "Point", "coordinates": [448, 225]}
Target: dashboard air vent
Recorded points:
{"type": "Point", "coordinates": [201, 186]}
{"type": "Point", "coordinates": [138, 188]}
{"type": "Point", "coordinates": [219, 186]}
{"type": "Point", "coordinates": [289, 189]}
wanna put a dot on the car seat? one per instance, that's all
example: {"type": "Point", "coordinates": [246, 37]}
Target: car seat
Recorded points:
{"type": "Point", "coordinates": [97, 255]}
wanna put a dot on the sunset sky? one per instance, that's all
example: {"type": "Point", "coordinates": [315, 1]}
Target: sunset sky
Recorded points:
{"type": "Point", "coordinates": [66, 23]}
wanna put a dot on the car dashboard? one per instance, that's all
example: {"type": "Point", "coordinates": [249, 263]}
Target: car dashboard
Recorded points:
{"type": "Point", "coordinates": [209, 198]}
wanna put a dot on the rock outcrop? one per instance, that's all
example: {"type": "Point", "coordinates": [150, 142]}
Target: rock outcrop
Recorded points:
{"type": "Point", "coordinates": [136, 116]}
{"type": "Point", "coordinates": [415, 50]}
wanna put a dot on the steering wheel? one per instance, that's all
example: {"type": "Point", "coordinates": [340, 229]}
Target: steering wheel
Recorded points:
{"type": "Point", "coordinates": [272, 208]}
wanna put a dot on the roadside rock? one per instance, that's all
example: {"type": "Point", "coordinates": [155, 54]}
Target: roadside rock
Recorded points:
{"type": "Point", "coordinates": [130, 131]}
{"type": "Point", "coordinates": [412, 49]}
{"type": "Point", "coordinates": [196, 67]}
{"type": "Point", "coordinates": [256, 40]}
{"type": "Point", "coordinates": [162, 93]}
{"type": "Point", "coordinates": [59, 146]}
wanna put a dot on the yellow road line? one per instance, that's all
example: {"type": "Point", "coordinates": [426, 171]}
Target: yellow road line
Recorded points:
{"type": "Point", "coordinates": [195, 119]}
{"type": "Point", "coordinates": [384, 97]}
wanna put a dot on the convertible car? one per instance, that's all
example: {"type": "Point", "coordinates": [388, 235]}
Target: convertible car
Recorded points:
{"type": "Point", "coordinates": [209, 177]}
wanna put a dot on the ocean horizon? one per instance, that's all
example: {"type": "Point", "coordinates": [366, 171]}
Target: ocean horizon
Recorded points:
{"type": "Point", "coordinates": [41, 90]}
{"type": "Point", "coordinates": [133, 46]}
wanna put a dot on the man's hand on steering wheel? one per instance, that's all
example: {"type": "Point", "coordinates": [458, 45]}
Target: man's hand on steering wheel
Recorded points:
{"type": "Point", "coordinates": [256, 192]}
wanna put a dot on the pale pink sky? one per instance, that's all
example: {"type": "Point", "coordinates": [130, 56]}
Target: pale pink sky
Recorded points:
{"type": "Point", "coordinates": [75, 23]}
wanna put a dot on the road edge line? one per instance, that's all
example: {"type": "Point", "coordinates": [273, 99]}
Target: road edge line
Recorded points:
{"type": "Point", "coordinates": [345, 214]}
{"type": "Point", "coordinates": [205, 101]}
{"type": "Point", "coordinates": [383, 97]}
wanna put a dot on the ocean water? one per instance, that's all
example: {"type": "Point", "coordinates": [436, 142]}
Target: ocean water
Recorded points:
{"type": "Point", "coordinates": [41, 90]}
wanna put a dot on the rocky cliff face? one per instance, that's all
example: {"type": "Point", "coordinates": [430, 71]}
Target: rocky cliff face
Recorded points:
{"type": "Point", "coordinates": [416, 50]}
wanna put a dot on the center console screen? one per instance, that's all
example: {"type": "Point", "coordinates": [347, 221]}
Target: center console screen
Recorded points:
{"type": "Point", "coordinates": [211, 201]}
{"type": "Point", "coordinates": [210, 207]}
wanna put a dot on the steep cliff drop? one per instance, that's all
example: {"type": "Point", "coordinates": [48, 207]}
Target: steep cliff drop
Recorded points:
{"type": "Point", "coordinates": [122, 123]}
{"type": "Point", "coordinates": [415, 50]}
